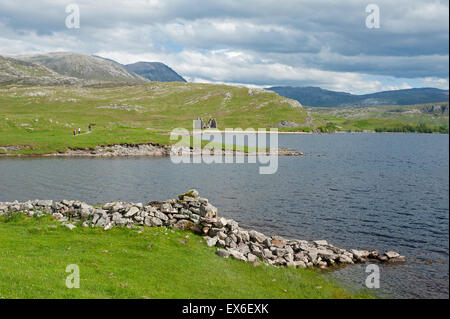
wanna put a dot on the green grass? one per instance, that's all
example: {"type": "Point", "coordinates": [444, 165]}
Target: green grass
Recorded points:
{"type": "Point", "coordinates": [380, 118]}
{"type": "Point", "coordinates": [41, 119]}
{"type": "Point", "coordinates": [133, 114]}
{"type": "Point", "coordinates": [119, 264]}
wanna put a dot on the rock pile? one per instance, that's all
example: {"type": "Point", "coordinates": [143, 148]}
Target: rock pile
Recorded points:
{"type": "Point", "coordinates": [191, 212]}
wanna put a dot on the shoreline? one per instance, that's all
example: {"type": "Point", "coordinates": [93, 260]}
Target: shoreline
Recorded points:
{"type": "Point", "coordinates": [194, 213]}
{"type": "Point", "coordinates": [150, 150]}
{"type": "Point", "coordinates": [158, 150]}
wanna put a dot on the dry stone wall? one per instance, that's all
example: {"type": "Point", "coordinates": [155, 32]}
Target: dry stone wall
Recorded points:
{"type": "Point", "coordinates": [192, 212]}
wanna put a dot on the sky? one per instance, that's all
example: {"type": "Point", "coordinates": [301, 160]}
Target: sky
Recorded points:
{"type": "Point", "coordinates": [255, 43]}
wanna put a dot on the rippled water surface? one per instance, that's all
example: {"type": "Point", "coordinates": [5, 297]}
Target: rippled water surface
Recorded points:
{"type": "Point", "coordinates": [380, 191]}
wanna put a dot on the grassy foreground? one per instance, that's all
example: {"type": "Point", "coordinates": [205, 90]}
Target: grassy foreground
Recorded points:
{"type": "Point", "coordinates": [122, 263]}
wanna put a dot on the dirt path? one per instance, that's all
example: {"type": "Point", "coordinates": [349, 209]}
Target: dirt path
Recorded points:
{"type": "Point", "coordinates": [89, 132]}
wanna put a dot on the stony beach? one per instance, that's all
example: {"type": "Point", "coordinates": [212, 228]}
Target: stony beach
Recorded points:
{"type": "Point", "coordinates": [149, 150]}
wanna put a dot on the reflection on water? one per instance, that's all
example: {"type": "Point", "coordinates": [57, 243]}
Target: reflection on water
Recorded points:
{"type": "Point", "coordinates": [380, 191]}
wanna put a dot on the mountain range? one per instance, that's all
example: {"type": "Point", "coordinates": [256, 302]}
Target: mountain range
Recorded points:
{"type": "Point", "coordinates": [316, 96]}
{"type": "Point", "coordinates": [74, 68]}
{"type": "Point", "coordinates": [155, 71]}
{"type": "Point", "coordinates": [67, 68]}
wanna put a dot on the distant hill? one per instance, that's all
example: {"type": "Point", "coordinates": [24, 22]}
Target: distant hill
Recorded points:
{"type": "Point", "coordinates": [315, 96]}
{"type": "Point", "coordinates": [155, 71]}
{"type": "Point", "coordinates": [23, 72]}
{"type": "Point", "coordinates": [85, 67]}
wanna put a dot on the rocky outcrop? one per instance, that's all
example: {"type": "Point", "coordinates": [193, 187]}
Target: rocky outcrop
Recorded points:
{"type": "Point", "coordinates": [87, 68]}
{"type": "Point", "coordinates": [436, 109]}
{"type": "Point", "coordinates": [191, 212]}
{"type": "Point", "coordinates": [28, 73]}
{"type": "Point", "coordinates": [287, 124]}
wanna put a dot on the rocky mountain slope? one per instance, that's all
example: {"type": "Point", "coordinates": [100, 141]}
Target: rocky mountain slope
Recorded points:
{"type": "Point", "coordinates": [85, 67]}
{"type": "Point", "coordinates": [23, 72]}
{"type": "Point", "coordinates": [315, 96]}
{"type": "Point", "coordinates": [155, 71]}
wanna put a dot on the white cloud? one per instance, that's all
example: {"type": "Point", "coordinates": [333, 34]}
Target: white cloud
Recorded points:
{"type": "Point", "coordinates": [225, 66]}
{"type": "Point", "coordinates": [436, 82]}
{"type": "Point", "coordinates": [258, 42]}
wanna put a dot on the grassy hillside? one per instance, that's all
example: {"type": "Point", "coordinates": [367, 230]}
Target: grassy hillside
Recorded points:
{"type": "Point", "coordinates": [41, 119]}
{"type": "Point", "coordinates": [383, 118]}
{"type": "Point", "coordinates": [123, 263]}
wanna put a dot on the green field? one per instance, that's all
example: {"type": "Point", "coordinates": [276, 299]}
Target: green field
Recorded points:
{"type": "Point", "coordinates": [41, 119]}
{"type": "Point", "coordinates": [410, 118]}
{"type": "Point", "coordinates": [124, 263]}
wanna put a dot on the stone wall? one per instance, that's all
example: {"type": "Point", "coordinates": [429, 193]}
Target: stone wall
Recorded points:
{"type": "Point", "coordinates": [191, 212]}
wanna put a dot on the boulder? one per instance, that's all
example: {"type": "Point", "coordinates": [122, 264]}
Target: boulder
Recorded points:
{"type": "Point", "coordinates": [391, 254]}
{"type": "Point", "coordinates": [222, 235]}
{"type": "Point", "coordinates": [278, 243]}
{"type": "Point", "coordinates": [268, 254]}
{"type": "Point", "coordinates": [161, 216]}
{"type": "Point", "coordinates": [208, 210]}
{"type": "Point", "coordinates": [190, 193]}
{"type": "Point", "coordinates": [132, 211]}
{"type": "Point", "coordinates": [184, 224]}
{"type": "Point", "coordinates": [321, 242]}
{"type": "Point", "coordinates": [44, 203]}
{"type": "Point", "coordinates": [195, 210]}
{"type": "Point", "coordinates": [256, 237]}
{"type": "Point", "coordinates": [237, 254]}
{"type": "Point", "coordinates": [221, 243]}
{"type": "Point", "coordinates": [251, 258]}
{"type": "Point", "coordinates": [343, 259]}
{"type": "Point", "coordinates": [102, 221]}
{"type": "Point", "coordinates": [289, 257]}
{"type": "Point", "coordinates": [166, 208]}
{"type": "Point", "coordinates": [211, 241]}
{"type": "Point", "coordinates": [215, 232]}
{"type": "Point", "coordinates": [232, 225]}
{"type": "Point", "coordinates": [312, 254]}
{"type": "Point", "coordinates": [223, 253]}
{"type": "Point", "coordinates": [156, 221]}
{"type": "Point", "coordinates": [299, 264]}
{"type": "Point", "coordinates": [327, 254]}
{"type": "Point", "coordinates": [220, 223]}
{"type": "Point", "coordinates": [85, 213]}
{"type": "Point", "coordinates": [243, 248]}
{"type": "Point", "coordinates": [360, 254]}
{"type": "Point", "coordinates": [117, 218]}
{"type": "Point", "coordinates": [70, 226]}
